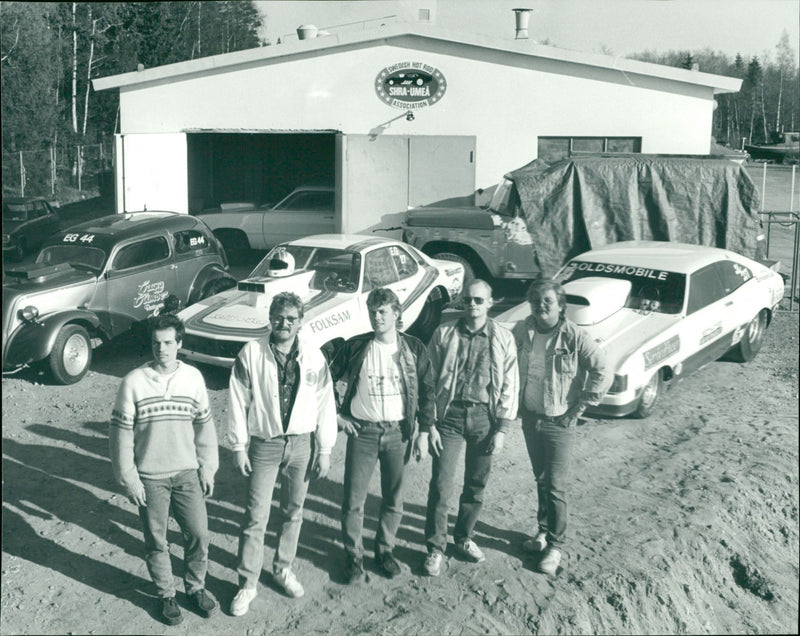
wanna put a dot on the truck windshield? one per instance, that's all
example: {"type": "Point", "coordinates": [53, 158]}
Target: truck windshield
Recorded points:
{"type": "Point", "coordinates": [505, 199]}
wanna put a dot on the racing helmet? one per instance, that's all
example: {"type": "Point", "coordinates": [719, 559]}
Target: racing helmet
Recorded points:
{"type": "Point", "coordinates": [281, 264]}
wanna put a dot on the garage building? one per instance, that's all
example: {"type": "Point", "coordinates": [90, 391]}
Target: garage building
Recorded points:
{"type": "Point", "coordinates": [393, 117]}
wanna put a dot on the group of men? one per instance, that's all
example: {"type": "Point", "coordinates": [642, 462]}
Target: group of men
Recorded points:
{"type": "Point", "coordinates": [460, 394]}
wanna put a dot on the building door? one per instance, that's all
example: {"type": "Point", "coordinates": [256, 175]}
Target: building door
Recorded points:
{"type": "Point", "coordinates": [381, 176]}
{"type": "Point", "coordinates": [151, 172]}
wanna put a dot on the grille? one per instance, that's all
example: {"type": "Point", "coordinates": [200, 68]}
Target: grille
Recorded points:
{"type": "Point", "coordinates": [209, 347]}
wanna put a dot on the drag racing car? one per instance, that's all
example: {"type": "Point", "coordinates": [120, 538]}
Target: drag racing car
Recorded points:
{"type": "Point", "coordinates": [661, 310]}
{"type": "Point", "coordinates": [332, 274]}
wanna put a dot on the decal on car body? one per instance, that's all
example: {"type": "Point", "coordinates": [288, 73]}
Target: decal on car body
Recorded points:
{"type": "Point", "coordinates": [661, 351]}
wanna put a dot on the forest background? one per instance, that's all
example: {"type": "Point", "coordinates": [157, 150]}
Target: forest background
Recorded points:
{"type": "Point", "coordinates": [57, 133]}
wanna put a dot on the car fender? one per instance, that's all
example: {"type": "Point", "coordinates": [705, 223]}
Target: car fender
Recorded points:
{"type": "Point", "coordinates": [205, 276]}
{"type": "Point", "coordinates": [33, 341]}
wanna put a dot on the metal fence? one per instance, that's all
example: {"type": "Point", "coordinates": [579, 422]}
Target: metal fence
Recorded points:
{"type": "Point", "coordinates": [43, 172]}
{"type": "Point", "coordinates": [783, 244]}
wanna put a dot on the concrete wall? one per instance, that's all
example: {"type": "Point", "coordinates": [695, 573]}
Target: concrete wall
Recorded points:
{"type": "Point", "coordinates": [504, 99]}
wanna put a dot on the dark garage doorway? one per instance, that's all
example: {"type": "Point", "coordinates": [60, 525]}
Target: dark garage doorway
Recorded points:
{"type": "Point", "coordinates": [255, 167]}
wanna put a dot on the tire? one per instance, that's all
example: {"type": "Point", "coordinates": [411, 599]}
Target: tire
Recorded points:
{"type": "Point", "coordinates": [469, 271]}
{"type": "Point", "coordinates": [236, 245]}
{"type": "Point", "coordinates": [71, 356]}
{"type": "Point", "coordinates": [216, 286]}
{"type": "Point", "coordinates": [651, 393]}
{"type": "Point", "coordinates": [428, 319]}
{"type": "Point", "coordinates": [752, 339]}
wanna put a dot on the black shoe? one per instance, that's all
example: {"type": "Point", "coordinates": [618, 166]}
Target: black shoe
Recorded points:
{"type": "Point", "coordinates": [205, 603]}
{"type": "Point", "coordinates": [387, 564]}
{"type": "Point", "coordinates": [170, 611]}
{"type": "Point", "coordinates": [353, 570]}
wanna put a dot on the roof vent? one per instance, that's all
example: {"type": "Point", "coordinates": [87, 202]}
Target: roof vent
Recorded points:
{"type": "Point", "coordinates": [522, 16]}
{"type": "Point", "coordinates": [307, 32]}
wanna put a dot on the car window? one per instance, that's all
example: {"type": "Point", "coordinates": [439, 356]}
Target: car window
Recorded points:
{"type": "Point", "coordinates": [733, 275]}
{"type": "Point", "coordinates": [140, 253]}
{"type": "Point", "coordinates": [38, 209]}
{"type": "Point", "coordinates": [379, 269]}
{"type": "Point", "coordinates": [191, 241]}
{"type": "Point", "coordinates": [705, 288]}
{"type": "Point", "coordinates": [308, 202]}
{"type": "Point", "coordinates": [405, 265]}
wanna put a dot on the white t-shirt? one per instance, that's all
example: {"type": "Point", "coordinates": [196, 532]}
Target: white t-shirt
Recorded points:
{"type": "Point", "coordinates": [379, 395]}
{"type": "Point", "coordinates": [534, 382]}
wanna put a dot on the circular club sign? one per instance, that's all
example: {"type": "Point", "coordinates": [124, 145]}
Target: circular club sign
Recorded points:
{"type": "Point", "coordinates": [410, 85]}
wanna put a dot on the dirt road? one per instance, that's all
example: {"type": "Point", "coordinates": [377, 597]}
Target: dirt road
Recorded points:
{"type": "Point", "coordinates": [686, 522]}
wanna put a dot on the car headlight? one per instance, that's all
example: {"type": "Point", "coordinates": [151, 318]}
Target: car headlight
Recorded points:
{"type": "Point", "coordinates": [29, 313]}
{"type": "Point", "coordinates": [620, 384]}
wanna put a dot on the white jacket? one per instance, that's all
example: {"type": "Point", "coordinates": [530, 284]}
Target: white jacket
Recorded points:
{"type": "Point", "coordinates": [255, 404]}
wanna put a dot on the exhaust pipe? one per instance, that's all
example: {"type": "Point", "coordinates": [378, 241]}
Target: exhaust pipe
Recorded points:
{"type": "Point", "coordinates": [522, 16]}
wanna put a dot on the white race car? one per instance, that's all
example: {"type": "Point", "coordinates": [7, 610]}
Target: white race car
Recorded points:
{"type": "Point", "coordinates": [661, 310]}
{"type": "Point", "coordinates": [333, 275]}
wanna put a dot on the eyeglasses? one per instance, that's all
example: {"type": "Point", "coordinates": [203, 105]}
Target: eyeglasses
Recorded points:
{"type": "Point", "coordinates": [547, 302]}
{"type": "Point", "coordinates": [478, 300]}
{"type": "Point", "coordinates": [290, 320]}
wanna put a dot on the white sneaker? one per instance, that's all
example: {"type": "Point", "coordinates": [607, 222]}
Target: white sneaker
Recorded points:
{"type": "Point", "coordinates": [470, 550]}
{"type": "Point", "coordinates": [288, 581]}
{"type": "Point", "coordinates": [241, 602]}
{"type": "Point", "coordinates": [537, 544]}
{"type": "Point", "coordinates": [550, 561]}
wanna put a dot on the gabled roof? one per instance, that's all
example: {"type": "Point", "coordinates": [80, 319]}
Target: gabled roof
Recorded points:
{"type": "Point", "coordinates": [415, 36]}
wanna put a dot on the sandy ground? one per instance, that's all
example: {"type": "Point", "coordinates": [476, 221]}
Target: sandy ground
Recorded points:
{"type": "Point", "coordinates": [686, 522]}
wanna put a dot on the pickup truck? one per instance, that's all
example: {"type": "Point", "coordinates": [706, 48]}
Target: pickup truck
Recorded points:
{"type": "Point", "coordinates": [542, 214]}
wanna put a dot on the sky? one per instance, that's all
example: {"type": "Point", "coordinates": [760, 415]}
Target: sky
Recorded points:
{"type": "Point", "coordinates": [615, 27]}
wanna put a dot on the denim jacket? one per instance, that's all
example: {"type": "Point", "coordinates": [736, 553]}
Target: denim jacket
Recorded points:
{"type": "Point", "coordinates": [575, 367]}
{"type": "Point", "coordinates": [415, 375]}
{"type": "Point", "coordinates": [503, 373]}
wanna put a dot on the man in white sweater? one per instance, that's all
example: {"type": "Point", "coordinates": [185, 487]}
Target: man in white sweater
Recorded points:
{"type": "Point", "coordinates": [164, 453]}
{"type": "Point", "coordinates": [282, 403]}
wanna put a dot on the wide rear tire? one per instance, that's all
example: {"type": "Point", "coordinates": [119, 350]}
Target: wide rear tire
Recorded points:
{"type": "Point", "coordinates": [428, 319]}
{"type": "Point", "coordinates": [753, 338]}
{"type": "Point", "coordinates": [71, 356]}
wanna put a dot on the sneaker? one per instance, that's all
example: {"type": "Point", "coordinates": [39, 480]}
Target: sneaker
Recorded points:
{"type": "Point", "coordinates": [433, 563]}
{"type": "Point", "coordinates": [550, 561]}
{"type": "Point", "coordinates": [205, 603]}
{"type": "Point", "coordinates": [353, 570]}
{"type": "Point", "coordinates": [537, 544]}
{"type": "Point", "coordinates": [470, 550]}
{"type": "Point", "coordinates": [387, 564]}
{"type": "Point", "coordinates": [170, 611]}
{"type": "Point", "coordinates": [241, 602]}
{"type": "Point", "coordinates": [288, 581]}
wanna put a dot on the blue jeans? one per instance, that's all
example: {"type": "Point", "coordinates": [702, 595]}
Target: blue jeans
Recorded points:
{"type": "Point", "coordinates": [462, 426]}
{"type": "Point", "coordinates": [550, 450]}
{"type": "Point", "coordinates": [376, 442]}
{"type": "Point", "coordinates": [291, 456]}
{"type": "Point", "coordinates": [184, 495]}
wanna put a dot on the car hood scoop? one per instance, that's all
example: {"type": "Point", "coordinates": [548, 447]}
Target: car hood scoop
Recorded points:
{"type": "Point", "coordinates": [593, 299]}
{"type": "Point", "coordinates": [38, 274]}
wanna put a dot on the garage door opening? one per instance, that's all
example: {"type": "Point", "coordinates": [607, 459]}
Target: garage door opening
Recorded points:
{"type": "Point", "coordinates": [256, 168]}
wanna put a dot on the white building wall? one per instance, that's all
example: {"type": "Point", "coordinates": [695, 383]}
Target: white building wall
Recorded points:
{"type": "Point", "coordinates": [505, 106]}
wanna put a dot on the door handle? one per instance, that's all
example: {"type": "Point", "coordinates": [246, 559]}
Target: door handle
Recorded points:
{"type": "Point", "coordinates": [729, 303]}
{"type": "Point", "coordinates": [173, 266]}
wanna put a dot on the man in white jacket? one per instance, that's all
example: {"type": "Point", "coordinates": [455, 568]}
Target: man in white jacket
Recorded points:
{"type": "Point", "coordinates": [282, 402]}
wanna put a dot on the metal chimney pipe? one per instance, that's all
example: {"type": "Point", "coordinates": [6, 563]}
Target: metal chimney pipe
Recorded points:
{"type": "Point", "coordinates": [522, 16]}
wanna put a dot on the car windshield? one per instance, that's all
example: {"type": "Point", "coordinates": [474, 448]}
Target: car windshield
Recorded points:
{"type": "Point", "coordinates": [79, 256]}
{"type": "Point", "coordinates": [334, 269]}
{"type": "Point", "coordinates": [652, 289]}
{"type": "Point", "coordinates": [15, 212]}
{"type": "Point", "coordinates": [314, 200]}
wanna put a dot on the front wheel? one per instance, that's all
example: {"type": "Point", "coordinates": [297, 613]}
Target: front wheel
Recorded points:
{"type": "Point", "coordinates": [651, 393]}
{"type": "Point", "coordinates": [71, 355]}
{"type": "Point", "coordinates": [753, 338]}
{"type": "Point", "coordinates": [469, 271]}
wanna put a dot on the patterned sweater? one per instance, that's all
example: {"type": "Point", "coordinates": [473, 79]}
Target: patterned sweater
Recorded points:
{"type": "Point", "coordinates": [161, 425]}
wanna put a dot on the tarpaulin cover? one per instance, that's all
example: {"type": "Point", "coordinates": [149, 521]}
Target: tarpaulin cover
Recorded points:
{"type": "Point", "coordinates": [585, 202]}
